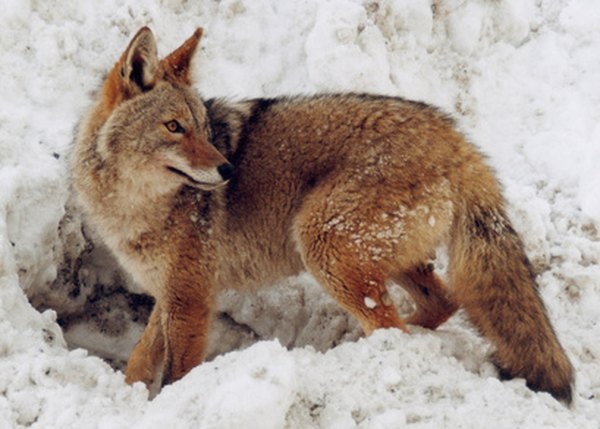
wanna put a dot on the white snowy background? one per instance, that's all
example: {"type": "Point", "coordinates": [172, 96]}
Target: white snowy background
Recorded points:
{"type": "Point", "coordinates": [522, 79]}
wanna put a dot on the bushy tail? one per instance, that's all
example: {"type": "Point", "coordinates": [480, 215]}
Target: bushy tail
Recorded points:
{"type": "Point", "coordinates": [494, 281]}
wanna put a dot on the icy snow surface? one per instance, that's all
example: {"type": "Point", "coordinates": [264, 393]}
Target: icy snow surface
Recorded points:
{"type": "Point", "coordinates": [522, 78]}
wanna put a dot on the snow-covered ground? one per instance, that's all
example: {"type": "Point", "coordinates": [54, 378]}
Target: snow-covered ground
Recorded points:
{"type": "Point", "coordinates": [520, 76]}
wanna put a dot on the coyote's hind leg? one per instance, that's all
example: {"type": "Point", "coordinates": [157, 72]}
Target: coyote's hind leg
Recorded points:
{"type": "Point", "coordinates": [432, 298]}
{"type": "Point", "coordinates": [347, 271]}
{"type": "Point", "coordinates": [362, 294]}
{"type": "Point", "coordinates": [359, 290]}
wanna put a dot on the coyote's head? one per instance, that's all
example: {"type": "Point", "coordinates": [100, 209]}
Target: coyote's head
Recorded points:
{"type": "Point", "coordinates": [155, 122]}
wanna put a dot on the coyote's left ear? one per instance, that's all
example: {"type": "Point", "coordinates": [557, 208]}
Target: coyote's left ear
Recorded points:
{"type": "Point", "coordinates": [139, 65]}
{"type": "Point", "coordinates": [177, 64]}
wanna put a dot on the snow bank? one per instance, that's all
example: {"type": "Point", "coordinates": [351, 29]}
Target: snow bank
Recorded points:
{"type": "Point", "coordinates": [520, 76]}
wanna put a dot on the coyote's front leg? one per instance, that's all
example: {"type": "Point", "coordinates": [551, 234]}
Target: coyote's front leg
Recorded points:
{"type": "Point", "coordinates": [186, 321]}
{"type": "Point", "coordinates": [146, 359]}
{"type": "Point", "coordinates": [176, 335]}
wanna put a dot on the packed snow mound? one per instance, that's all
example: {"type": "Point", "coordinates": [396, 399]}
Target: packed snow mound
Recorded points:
{"type": "Point", "coordinates": [519, 76]}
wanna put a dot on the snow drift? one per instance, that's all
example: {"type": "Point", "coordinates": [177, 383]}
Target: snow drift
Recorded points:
{"type": "Point", "coordinates": [521, 78]}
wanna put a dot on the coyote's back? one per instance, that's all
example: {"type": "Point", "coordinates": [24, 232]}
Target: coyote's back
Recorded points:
{"type": "Point", "coordinates": [196, 195]}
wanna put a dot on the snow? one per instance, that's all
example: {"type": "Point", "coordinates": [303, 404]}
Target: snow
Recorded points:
{"type": "Point", "coordinates": [519, 76]}
{"type": "Point", "coordinates": [370, 303]}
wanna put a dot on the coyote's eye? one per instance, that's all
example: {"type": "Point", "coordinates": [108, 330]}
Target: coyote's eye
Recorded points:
{"type": "Point", "coordinates": [174, 127]}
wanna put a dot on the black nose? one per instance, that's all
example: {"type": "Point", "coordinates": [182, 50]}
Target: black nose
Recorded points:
{"type": "Point", "coordinates": [226, 171]}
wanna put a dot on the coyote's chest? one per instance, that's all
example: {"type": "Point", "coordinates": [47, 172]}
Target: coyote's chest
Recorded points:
{"type": "Point", "coordinates": [144, 252]}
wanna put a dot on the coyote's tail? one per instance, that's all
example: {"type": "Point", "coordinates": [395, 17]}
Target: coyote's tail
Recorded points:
{"type": "Point", "coordinates": [494, 281]}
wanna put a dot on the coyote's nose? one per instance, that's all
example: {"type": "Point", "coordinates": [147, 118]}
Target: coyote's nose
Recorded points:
{"type": "Point", "coordinates": [226, 171]}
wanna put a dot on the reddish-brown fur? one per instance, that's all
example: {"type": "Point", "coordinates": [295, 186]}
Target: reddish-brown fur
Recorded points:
{"type": "Point", "coordinates": [356, 189]}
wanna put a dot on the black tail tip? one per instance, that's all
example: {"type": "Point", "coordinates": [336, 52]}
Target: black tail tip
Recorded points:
{"type": "Point", "coordinates": [562, 392]}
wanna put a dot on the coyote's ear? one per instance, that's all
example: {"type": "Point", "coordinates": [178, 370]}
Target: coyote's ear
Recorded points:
{"type": "Point", "coordinates": [139, 65]}
{"type": "Point", "coordinates": [177, 64]}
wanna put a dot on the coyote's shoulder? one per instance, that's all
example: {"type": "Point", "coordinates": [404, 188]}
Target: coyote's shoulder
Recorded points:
{"type": "Point", "coordinates": [194, 195]}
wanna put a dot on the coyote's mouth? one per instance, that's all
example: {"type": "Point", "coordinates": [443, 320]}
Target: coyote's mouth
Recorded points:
{"type": "Point", "coordinates": [194, 182]}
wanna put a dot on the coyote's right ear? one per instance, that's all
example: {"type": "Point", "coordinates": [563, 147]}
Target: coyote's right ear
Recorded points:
{"type": "Point", "coordinates": [139, 64]}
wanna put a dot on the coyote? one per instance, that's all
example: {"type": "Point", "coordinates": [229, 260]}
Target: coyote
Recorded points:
{"type": "Point", "coordinates": [196, 195]}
